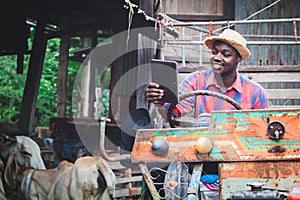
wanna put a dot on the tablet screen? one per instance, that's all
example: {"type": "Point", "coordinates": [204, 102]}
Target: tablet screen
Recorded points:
{"type": "Point", "coordinates": [164, 73]}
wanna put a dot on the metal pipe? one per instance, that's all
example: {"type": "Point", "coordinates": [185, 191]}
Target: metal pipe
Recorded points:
{"type": "Point", "coordinates": [200, 48]}
{"type": "Point", "coordinates": [191, 27]}
{"type": "Point", "coordinates": [272, 36]}
{"type": "Point", "coordinates": [237, 22]}
{"type": "Point", "coordinates": [103, 121]}
{"type": "Point", "coordinates": [183, 47]}
{"type": "Point", "coordinates": [178, 42]}
{"type": "Point", "coordinates": [295, 31]}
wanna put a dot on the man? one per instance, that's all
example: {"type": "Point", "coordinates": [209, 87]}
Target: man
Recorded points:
{"type": "Point", "coordinates": [227, 51]}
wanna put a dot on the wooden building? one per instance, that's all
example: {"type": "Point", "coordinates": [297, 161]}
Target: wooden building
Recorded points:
{"type": "Point", "coordinates": [271, 27]}
{"type": "Point", "coordinates": [64, 19]}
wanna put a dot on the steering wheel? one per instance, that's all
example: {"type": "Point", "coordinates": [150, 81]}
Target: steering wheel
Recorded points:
{"type": "Point", "coordinates": [173, 121]}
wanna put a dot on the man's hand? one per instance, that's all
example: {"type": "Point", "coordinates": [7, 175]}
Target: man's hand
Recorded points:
{"type": "Point", "coordinates": [154, 94]}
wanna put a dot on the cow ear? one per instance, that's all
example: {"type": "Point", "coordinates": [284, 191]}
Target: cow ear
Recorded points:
{"type": "Point", "coordinates": [11, 171]}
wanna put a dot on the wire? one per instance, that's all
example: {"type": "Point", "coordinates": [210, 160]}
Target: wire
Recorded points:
{"type": "Point", "coordinates": [265, 8]}
{"type": "Point", "coordinates": [256, 13]}
{"type": "Point", "coordinates": [130, 17]}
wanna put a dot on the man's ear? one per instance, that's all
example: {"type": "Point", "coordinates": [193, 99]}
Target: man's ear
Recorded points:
{"type": "Point", "coordinates": [239, 59]}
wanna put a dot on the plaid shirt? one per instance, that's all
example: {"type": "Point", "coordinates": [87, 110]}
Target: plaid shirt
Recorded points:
{"type": "Point", "coordinates": [247, 93]}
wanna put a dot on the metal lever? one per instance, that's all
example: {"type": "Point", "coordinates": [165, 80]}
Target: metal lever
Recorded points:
{"type": "Point", "coordinates": [102, 122]}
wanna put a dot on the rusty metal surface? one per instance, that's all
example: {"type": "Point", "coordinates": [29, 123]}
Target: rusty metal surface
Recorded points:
{"type": "Point", "coordinates": [149, 182]}
{"type": "Point", "coordinates": [283, 169]}
{"type": "Point", "coordinates": [234, 177]}
{"type": "Point", "coordinates": [269, 54]}
{"type": "Point", "coordinates": [237, 136]}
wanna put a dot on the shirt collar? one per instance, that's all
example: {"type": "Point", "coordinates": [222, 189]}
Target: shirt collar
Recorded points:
{"type": "Point", "coordinates": [237, 85]}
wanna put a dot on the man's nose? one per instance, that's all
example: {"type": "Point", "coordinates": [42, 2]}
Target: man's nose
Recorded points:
{"type": "Point", "coordinates": [217, 57]}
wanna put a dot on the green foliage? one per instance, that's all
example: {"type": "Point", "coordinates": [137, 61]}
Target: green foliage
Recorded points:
{"type": "Point", "coordinates": [12, 86]}
{"type": "Point", "coordinates": [105, 103]}
{"type": "Point", "coordinates": [48, 85]}
{"type": "Point", "coordinates": [103, 83]}
{"type": "Point", "coordinates": [47, 97]}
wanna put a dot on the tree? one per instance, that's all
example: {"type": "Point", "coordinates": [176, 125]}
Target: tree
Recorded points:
{"type": "Point", "coordinates": [12, 85]}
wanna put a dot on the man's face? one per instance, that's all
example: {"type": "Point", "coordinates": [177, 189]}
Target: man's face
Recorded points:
{"type": "Point", "coordinates": [224, 58]}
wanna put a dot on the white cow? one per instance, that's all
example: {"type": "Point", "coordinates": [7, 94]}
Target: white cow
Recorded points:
{"type": "Point", "coordinates": [88, 178]}
{"type": "Point", "coordinates": [23, 152]}
{"type": "Point", "coordinates": [27, 151]}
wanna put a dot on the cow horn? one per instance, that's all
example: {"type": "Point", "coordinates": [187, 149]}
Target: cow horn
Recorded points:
{"type": "Point", "coordinates": [4, 137]}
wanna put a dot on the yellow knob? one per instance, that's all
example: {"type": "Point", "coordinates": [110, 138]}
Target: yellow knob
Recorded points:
{"type": "Point", "coordinates": [203, 145]}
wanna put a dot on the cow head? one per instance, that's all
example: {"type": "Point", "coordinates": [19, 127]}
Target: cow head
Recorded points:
{"type": "Point", "coordinates": [18, 152]}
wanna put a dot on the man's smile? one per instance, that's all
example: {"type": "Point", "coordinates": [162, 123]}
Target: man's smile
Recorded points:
{"type": "Point", "coordinates": [217, 65]}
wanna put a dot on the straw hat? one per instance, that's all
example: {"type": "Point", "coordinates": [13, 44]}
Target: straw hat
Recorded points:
{"type": "Point", "coordinates": [232, 38]}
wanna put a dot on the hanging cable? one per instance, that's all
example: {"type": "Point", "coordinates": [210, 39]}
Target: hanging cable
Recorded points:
{"type": "Point", "coordinates": [130, 16]}
{"type": "Point", "coordinates": [256, 13]}
{"type": "Point", "coordinates": [265, 8]}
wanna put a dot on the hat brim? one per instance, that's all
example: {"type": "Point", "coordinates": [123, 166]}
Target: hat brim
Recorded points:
{"type": "Point", "coordinates": [243, 51]}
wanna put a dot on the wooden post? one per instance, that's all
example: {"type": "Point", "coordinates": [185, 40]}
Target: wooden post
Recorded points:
{"type": "Point", "coordinates": [62, 75]}
{"type": "Point", "coordinates": [85, 90]}
{"type": "Point", "coordinates": [92, 86]}
{"type": "Point", "coordinates": [88, 87]}
{"type": "Point", "coordinates": [33, 78]}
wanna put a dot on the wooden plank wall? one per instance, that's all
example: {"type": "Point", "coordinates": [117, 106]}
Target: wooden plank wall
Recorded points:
{"type": "Point", "coordinates": [194, 7]}
{"type": "Point", "coordinates": [199, 10]}
{"type": "Point", "coordinates": [262, 55]}
{"type": "Point", "coordinates": [282, 83]}
{"type": "Point", "coordinates": [283, 88]}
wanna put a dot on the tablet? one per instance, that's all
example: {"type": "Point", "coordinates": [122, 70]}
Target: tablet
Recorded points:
{"type": "Point", "coordinates": [164, 73]}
